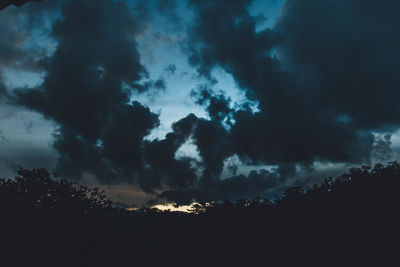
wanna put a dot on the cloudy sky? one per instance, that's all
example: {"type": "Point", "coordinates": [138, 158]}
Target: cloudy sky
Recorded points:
{"type": "Point", "coordinates": [198, 100]}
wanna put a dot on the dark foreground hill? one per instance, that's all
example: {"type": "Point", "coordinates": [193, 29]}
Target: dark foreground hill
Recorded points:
{"type": "Point", "coordinates": [352, 220]}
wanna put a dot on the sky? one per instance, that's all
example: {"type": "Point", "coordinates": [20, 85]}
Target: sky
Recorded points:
{"type": "Point", "coordinates": [182, 101]}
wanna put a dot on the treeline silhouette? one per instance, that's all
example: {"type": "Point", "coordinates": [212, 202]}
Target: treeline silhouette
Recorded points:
{"type": "Point", "coordinates": [352, 220]}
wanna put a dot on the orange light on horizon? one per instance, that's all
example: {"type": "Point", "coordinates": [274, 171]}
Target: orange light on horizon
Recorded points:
{"type": "Point", "coordinates": [169, 207]}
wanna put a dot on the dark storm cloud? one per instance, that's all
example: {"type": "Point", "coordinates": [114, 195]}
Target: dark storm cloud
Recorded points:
{"type": "Point", "coordinates": [217, 105]}
{"type": "Point", "coordinates": [308, 73]}
{"type": "Point", "coordinates": [210, 140]}
{"type": "Point", "coordinates": [167, 171]}
{"type": "Point", "coordinates": [87, 91]}
{"type": "Point", "coordinates": [347, 53]}
{"type": "Point", "coordinates": [324, 77]}
{"type": "Point", "coordinates": [165, 167]}
{"type": "Point", "coordinates": [261, 183]}
{"type": "Point", "coordinates": [6, 3]}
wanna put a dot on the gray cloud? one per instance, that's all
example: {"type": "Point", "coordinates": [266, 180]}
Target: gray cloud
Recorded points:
{"type": "Point", "coordinates": [6, 3]}
{"type": "Point", "coordinates": [84, 91]}
{"type": "Point", "coordinates": [324, 77]}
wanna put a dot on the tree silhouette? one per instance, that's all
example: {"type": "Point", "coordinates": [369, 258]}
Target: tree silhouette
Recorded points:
{"type": "Point", "coordinates": [352, 220]}
{"type": "Point", "coordinates": [35, 190]}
